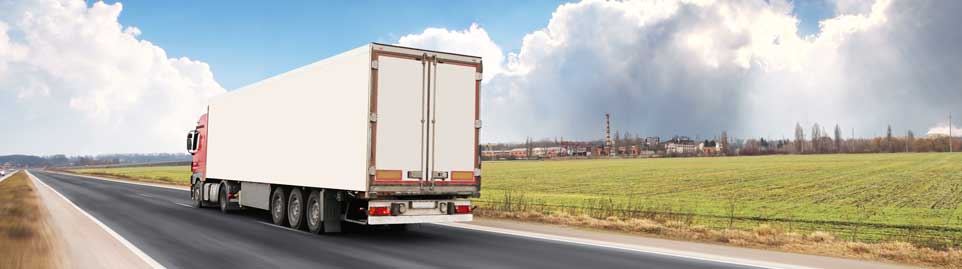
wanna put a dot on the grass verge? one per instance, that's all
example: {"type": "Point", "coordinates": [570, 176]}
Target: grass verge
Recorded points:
{"type": "Point", "coordinates": [763, 237]}
{"type": "Point", "coordinates": [26, 238]}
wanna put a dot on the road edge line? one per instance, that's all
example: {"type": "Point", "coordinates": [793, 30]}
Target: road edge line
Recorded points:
{"type": "Point", "coordinates": [628, 247]}
{"type": "Point", "coordinates": [143, 256]}
{"type": "Point", "coordinates": [172, 187]}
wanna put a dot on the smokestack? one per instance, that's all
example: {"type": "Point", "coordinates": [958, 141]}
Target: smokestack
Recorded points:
{"type": "Point", "coordinates": [608, 143]}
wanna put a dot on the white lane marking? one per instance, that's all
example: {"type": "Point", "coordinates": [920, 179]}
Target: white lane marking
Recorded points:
{"type": "Point", "coordinates": [150, 261]}
{"type": "Point", "coordinates": [180, 204]}
{"type": "Point", "coordinates": [282, 227]}
{"type": "Point", "coordinates": [146, 195]}
{"type": "Point", "coordinates": [627, 247]}
{"type": "Point", "coordinates": [124, 181]}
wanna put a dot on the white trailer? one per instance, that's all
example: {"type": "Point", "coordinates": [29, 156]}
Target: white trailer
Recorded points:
{"type": "Point", "coordinates": [376, 135]}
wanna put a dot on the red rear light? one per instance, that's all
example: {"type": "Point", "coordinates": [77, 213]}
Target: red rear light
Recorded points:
{"type": "Point", "coordinates": [462, 209]}
{"type": "Point", "coordinates": [378, 211]}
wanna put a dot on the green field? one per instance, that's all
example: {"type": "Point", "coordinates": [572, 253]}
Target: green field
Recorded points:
{"type": "Point", "coordinates": [871, 196]}
{"type": "Point", "coordinates": [168, 174]}
{"type": "Point", "coordinates": [885, 193]}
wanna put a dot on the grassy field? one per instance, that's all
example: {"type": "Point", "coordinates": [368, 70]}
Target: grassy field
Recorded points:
{"type": "Point", "coordinates": [164, 174]}
{"type": "Point", "coordinates": [864, 196]}
{"type": "Point", "coordinates": [870, 195]}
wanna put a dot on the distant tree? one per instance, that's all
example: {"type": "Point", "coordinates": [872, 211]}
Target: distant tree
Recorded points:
{"type": "Point", "coordinates": [888, 139]}
{"type": "Point", "coordinates": [816, 136]}
{"type": "Point", "coordinates": [799, 138]}
{"type": "Point", "coordinates": [909, 141]}
{"type": "Point", "coordinates": [724, 141]}
{"type": "Point", "coordinates": [838, 138]}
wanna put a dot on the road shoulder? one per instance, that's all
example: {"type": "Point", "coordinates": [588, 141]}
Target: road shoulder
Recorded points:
{"type": "Point", "coordinates": [86, 243]}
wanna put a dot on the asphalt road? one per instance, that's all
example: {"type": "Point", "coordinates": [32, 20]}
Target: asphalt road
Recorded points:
{"type": "Point", "coordinates": [160, 223]}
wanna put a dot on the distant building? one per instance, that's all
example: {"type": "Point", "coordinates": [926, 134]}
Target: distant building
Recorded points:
{"type": "Point", "coordinates": [519, 153]}
{"type": "Point", "coordinates": [652, 141]}
{"type": "Point", "coordinates": [495, 154]}
{"type": "Point", "coordinates": [550, 152]}
{"type": "Point", "coordinates": [709, 147]}
{"type": "Point", "coordinates": [681, 145]}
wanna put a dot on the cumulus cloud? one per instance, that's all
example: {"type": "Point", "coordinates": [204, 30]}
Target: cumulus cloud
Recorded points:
{"type": "Point", "coordinates": [943, 129]}
{"type": "Point", "coordinates": [472, 41]}
{"type": "Point", "coordinates": [74, 80]}
{"type": "Point", "coordinates": [700, 67]}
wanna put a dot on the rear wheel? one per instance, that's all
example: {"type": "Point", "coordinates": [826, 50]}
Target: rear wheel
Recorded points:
{"type": "Point", "coordinates": [295, 209]}
{"type": "Point", "coordinates": [314, 211]}
{"type": "Point", "coordinates": [222, 199]}
{"type": "Point", "coordinates": [279, 206]}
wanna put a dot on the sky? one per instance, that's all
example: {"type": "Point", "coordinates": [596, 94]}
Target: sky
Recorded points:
{"type": "Point", "coordinates": [132, 76]}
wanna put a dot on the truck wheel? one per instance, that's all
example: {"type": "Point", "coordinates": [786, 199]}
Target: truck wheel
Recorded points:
{"type": "Point", "coordinates": [295, 209]}
{"type": "Point", "coordinates": [279, 206]}
{"type": "Point", "coordinates": [223, 201]}
{"type": "Point", "coordinates": [314, 213]}
{"type": "Point", "coordinates": [195, 189]}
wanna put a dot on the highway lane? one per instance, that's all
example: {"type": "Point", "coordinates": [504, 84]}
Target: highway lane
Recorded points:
{"type": "Point", "coordinates": [160, 223]}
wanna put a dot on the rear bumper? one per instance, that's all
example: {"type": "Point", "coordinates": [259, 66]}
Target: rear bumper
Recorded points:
{"type": "Point", "coordinates": [378, 220]}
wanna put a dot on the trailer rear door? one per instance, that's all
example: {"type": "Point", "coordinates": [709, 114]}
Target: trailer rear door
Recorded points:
{"type": "Point", "coordinates": [425, 134]}
{"type": "Point", "coordinates": [399, 148]}
{"type": "Point", "coordinates": [454, 114]}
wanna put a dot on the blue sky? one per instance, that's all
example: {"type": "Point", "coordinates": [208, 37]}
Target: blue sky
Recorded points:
{"type": "Point", "coordinates": [246, 41]}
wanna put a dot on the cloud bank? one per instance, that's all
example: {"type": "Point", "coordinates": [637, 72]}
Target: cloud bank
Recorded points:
{"type": "Point", "coordinates": [73, 80]}
{"type": "Point", "coordinates": [699, 67]}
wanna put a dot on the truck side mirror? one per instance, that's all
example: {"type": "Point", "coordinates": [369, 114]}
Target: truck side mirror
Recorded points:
{"type": "Point", "coordinates": [192, 138]}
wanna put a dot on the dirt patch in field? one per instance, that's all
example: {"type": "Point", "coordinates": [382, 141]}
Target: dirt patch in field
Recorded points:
{"type": "Point", "coordinates": [26, 238]}
{"type": "Point", "coordinates": [762, 237]}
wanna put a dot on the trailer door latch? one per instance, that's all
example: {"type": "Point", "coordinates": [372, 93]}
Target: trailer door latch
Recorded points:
{"type": "Point", "coordinates": [374, 64]}
{"type": "Point", "coordinates": [477, 124]}
{"type": "Point", "coordinates": [372, 117]}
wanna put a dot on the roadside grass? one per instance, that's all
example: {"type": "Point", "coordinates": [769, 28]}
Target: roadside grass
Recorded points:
{"type": "Point", "coordinates": [26, 238]}
{"type": "Point", "coordinates": [762, 236]}
{"type": "Point", "coordinates": [178, 175]}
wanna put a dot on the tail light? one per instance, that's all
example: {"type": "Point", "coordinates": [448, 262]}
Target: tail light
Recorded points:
{"type": "Point", "coordinates": [378, 211]}
{"type": "Point", "coordinates": [462, 209]}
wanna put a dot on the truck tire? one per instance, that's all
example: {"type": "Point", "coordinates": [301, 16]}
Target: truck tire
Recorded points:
{"type": "Point", "coordinates": [279, 206]}
{"type": "Point", "coordinates": [223, 201]}
{"type": "Point", "coordinates": [295, 209]}
{"type": "Point", "coordinates": [197, 200]}
{"type": "Point", "coordinates": [314, 213]}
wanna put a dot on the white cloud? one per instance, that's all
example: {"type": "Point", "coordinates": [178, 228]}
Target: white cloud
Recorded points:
{"type": "Point", "coordinates": [943, 129]}
{"type": "Point", "coordinates": [700, 67]}
{"type": "Point", "coordinates": [73, 80]}
{"type": "Point", "coordinates": [472, 41]}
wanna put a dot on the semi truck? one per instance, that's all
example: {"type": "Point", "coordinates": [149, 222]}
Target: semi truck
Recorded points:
{"type": "Point", "coordinates": [378, 135]}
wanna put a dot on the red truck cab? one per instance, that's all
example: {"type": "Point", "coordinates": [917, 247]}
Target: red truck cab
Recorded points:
{"type": "Point", "coordinates": [197, 146]}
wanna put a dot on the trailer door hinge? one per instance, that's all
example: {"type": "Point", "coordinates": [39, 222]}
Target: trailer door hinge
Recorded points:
{"type": "Point", "coordinates": [371, 170]}
{"type": "Point", "coordinates": [477, 75]}
{"type": "Point", "coordinates": [372, 117]}
{"type": "Point", "coordinates": [477, 124]}
{"type": "Point", "coordinates": [373, 64]}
